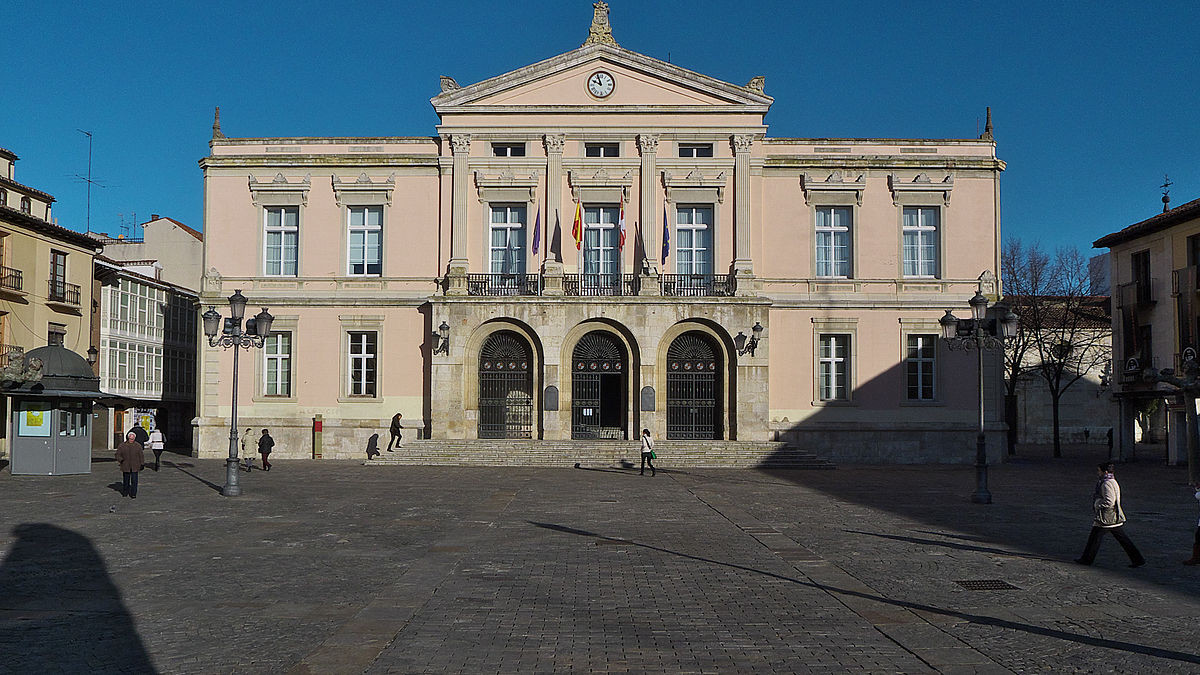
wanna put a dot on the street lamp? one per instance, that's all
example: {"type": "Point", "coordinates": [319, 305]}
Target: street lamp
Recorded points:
{"type": "Point", "coordinates": [258, 327]}
{"type": "Point", "coordinates": [979, 333]}
{"type": "Point", "coordinates": [743, 345]}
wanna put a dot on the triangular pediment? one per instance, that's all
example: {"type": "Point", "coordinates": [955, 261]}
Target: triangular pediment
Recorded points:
{"type": "Point", "coordinates": [641, 82]}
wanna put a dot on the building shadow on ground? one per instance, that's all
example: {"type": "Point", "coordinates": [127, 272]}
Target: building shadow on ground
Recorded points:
{"type": "Point", "coordinates": [1088, 640]}
{"type": "Point", "coordinates": [61, 611]}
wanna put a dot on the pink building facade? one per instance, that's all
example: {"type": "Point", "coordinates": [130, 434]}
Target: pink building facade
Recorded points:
{"type": "Point", "coordinates": [763, 289]}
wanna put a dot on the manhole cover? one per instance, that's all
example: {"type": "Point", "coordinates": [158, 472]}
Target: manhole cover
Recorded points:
{"type": "Point", "coordinates": [986, 585]}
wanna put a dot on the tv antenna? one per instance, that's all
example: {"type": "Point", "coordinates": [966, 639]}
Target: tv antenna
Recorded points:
{"type": "Point", "coordinates": [88, 179]}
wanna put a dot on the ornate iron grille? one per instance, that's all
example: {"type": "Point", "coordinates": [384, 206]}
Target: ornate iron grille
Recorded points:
{"type": "Point", "coordinates": [502, 284]}
{"type": "Point", "coordinates": [600, 284]}
{"type": "Point", "coordinates": [597, 368]}
{"type": "Point", "coordinates": [699, 285]}
{"type": "Point", "coordinates": [505, 387]}
{"type": "Point", "coordinates": [693, 389]}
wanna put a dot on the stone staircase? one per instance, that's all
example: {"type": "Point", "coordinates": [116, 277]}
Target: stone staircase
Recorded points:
{"type": "Point", "coordinates": [671, 454]}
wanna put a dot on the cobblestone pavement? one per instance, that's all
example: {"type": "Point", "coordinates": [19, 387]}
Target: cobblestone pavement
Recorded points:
{"type": "Point", "coordinates": [333, 567]}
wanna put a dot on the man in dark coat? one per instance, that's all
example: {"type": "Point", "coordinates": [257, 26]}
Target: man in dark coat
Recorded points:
{"type": "Point", "coordinates": [265, 444]}
{"type": "Point", "coordinates": [130, 457]}
{"type": "Point", "coordinates": [140, 434]}
{"type": "Point", "coordinates": [394, 430]}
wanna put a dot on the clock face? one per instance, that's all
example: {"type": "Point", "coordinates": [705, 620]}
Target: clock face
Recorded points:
{"type": "Point", "coordinates": [600, 84]}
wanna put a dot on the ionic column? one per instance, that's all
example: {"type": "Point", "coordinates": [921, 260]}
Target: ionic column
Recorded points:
{"type": "Point", "coordinates": [460, 144]}
{"type": "Point", "coordinates": [743, 265]}
{"type": "Point", "coordinates": [648, 147]}
{"type": "Point", "coordinates": [554, 173]}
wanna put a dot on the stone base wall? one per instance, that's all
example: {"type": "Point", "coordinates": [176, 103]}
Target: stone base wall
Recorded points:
{"type": "Point", "coordinates": [294, 437]}
{"type": "Point", "coordinates": [894, 446]}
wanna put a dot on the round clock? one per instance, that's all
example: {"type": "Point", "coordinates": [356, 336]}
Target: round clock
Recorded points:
{"type": "Point", "coordinates": [600, 84]}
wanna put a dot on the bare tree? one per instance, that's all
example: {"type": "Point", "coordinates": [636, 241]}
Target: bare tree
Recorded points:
{"type": "Point", "coordinates": [1065, 333]}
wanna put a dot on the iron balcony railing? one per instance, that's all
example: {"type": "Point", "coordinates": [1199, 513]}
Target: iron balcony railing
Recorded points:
{"type": "Point", "coordinates": [10, 279]}
{"type": "Point", "coordinates": [600, 284]}
{"type": "Point", "coordinates": [1136, 293]}
{"type": "Point", "coordinates": [10, 354]}
{"type": "Point", "coordinates": [699, 285]}
{"type": "Point", "coordinates": [61, 291]}
{"type": "Point", "coordinates": [502, 284]}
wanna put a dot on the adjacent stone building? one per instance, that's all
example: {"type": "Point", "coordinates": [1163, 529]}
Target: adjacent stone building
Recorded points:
{"type": "Point", "coordinates": [721, 285]}
{"type": "Point", "coordinates": [45, 278]}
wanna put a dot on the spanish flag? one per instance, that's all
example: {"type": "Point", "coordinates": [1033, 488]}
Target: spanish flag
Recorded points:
{"type": "Point", "coordinates": [577, 228]}
{"type": "Point", "coordinates": [621, 225]}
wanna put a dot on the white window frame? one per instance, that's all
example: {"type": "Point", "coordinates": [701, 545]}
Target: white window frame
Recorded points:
{"type": "Point", "coordinates": [705, 253]}
{"type": "Point", "coordinates": [825, 228]}
{"type": "Point", "coordinates": [283, 230]}
{"type": "Point", "coordinates": [603, 149]}
{"type": "Point", "coordinates": [601, 258]}
{"type": "Point", "coordinates": [363, 363]}
{"type": "Point", "coordinates": [831, 367]}
{"type": "Point", "coordinates": [277, 364]}
{"type": "Point", "coordinates": [691, 150]}
{"type": "Point", "coordinates": [504, 149]}
{"type": "Point", "coordinates": [927, 235]}
{"type": "Point", "coordinates": [364, 229]}
{"type": "Point", "coordinates": [515, 238]}
{"type": "Point", "coordinates": [926, 366]}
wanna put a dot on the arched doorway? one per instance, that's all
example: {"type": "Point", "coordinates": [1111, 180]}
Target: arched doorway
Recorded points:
{"type": "Point", "coordinates": [505, 387]}
{"type": "Point", "coordinates": [693, 388]}
{"type": "Point", "coordinates": [598, 370]}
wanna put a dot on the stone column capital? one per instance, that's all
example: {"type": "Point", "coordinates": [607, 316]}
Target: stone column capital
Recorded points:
{"type": "Point", "coordinates": [647, 143]}
{"type": "Point", "coordinates": [742, 143]}
{"type": "Point", "coordinates": [460, 143]}
{"type": "Point", "coordinates": [554, 143]}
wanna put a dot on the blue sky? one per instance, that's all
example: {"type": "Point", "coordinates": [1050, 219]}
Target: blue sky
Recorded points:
{"type": "Point", "coordinates": [1092, 102]}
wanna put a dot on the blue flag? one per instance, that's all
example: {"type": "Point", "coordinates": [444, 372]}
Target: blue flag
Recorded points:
{"type": "Point", "coordinates": [537, 232]}
{"type": "Point", "coordinates": [666, 247]}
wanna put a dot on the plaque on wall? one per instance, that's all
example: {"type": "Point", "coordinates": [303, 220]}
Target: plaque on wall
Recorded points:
{"type": "Point", "coordinates": [550, 398]}
{"type": "Point", "coordinates": [647, 399]}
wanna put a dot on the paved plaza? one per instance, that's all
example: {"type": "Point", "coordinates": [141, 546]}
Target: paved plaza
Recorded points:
{"type": "Point", "coordinates": [335, 567]}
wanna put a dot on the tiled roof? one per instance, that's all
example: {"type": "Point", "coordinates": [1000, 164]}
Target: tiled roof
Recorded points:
{"type": "Point", "coordinates": [33, 191]}
{"type": "Point", "coordinates": [1162, 221]}
{"type": "Point", "coordinates": [10, 214]}
{"type": "Point", "coordinates": [8, 154]}
{"type": "Point", "coordinates": [195, 233]}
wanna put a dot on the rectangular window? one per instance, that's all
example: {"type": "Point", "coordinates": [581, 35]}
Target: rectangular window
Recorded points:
{"type": "Point", "coordinates": [58, 268]}
{"type": "Point", "coordinates": [601, 256]}
{"type": "Point", "coordinates": [920, 365]}
{"type": "Point", "coordinates": [366, 241]}
{"type": "Point", "coordinates": [695, 150]}
{"type": "Point", "coordinates": [834, 367]}
{"type": "Point", "coordinates": [921, 241]}
{"type": "Point", "coordinates": [362, 363]}
{"type": "Point", "coordinates": [508, 149]}
{"type": "Point", "coordinates": [507, 248]}
{"type": "Point", "coordinates": [833, 225]}
{"type": "Point", "coordinates": [277, 352]}
{"type": "Point", "coordinates": [694, 240]}
{"type": "Point", "coordinates": [282, 239]}
{"type": "Point", "coordinates": [602, 150]}
{"type": "Point", "coordinates": [56, 334]}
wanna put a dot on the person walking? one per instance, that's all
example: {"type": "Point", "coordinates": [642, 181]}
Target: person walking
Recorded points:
{"type": "Point", "coordinates": [1109, 517]}
{"type": "Point", "coordinates": [1195, 559]}
{"type": "Point", "coordinates": [139, 434]}
{"type": "Point", "coordinates": [130, 457]}
{"type": "Point", "coordinates": [265, 444]}
{"type": "Point", "coordinates": [394, 430]}
{"type": "Point", "coordinates": [156, 446]}
{"type": "Point", "coordinates": [647, 453]}
{"type": "Point", "coordinates": [248, 448]}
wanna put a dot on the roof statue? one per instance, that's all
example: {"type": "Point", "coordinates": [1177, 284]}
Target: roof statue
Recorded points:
{"type": "Point", "coordinates": [600, 32]}
{"type": "Point", "coordinates": [987, 127]}
{"type": "Point", "coordinates": [448, 84]}
{"type": "Point", "coordinates": [217, 124]}
{"type": "Point", "coordinates": [758, 84]}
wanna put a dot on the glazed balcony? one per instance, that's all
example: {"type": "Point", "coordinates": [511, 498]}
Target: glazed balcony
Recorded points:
{"type": "Point", "coordinates": [1136, 293]}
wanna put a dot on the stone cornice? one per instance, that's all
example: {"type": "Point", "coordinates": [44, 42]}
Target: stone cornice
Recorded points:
{"type": "Point", "coordinates": [922, 183]}
{"type": "Point", "coordinates": [694, 179]}
{"type": "Point", "coordinates": [363, 185]}
{"type": "Point", "coordinates": [738, 96]}
{"type": "Point", "coordinates": [834, 182]}
{"type": "Point", "coordinates": [885, 162]}
{"type": "Point", "coordinates": [600, 178]}
{"type": "Point", "coordinates": [262, 191]}
{"type": "Point", "coordinates": [310, 161]}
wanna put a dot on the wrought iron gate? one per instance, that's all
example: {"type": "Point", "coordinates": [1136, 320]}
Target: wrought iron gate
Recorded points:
{"type": "Point", "coordinates": [598, 387]}
{"type": "Point", "coordinates": [693, 389]}
{"type": "Point", "coordinates": [505, 387]}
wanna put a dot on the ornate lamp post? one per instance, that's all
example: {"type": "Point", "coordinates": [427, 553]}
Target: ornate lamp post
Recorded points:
{"type": "Point", "coordinates": [257, 329]}
{"type": "Point", "coordinates": [979, 333]}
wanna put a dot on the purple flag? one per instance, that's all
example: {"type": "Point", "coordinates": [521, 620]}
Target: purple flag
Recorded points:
{"type": "Point", "coordinates": [537, 232]}
{"type": "Point", "coordinates": [666, 247]}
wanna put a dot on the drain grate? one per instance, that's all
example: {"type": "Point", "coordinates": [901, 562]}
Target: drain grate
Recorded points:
{"type": "Point", "coordinates": [986, 585]}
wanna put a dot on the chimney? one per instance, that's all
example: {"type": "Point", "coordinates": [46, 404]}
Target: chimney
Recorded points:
{"type": "Point", "coordinates": [153, 216]}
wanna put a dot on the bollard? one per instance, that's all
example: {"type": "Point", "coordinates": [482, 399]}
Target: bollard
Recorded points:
{"type": "Point", "coordinates": [318, 433]}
